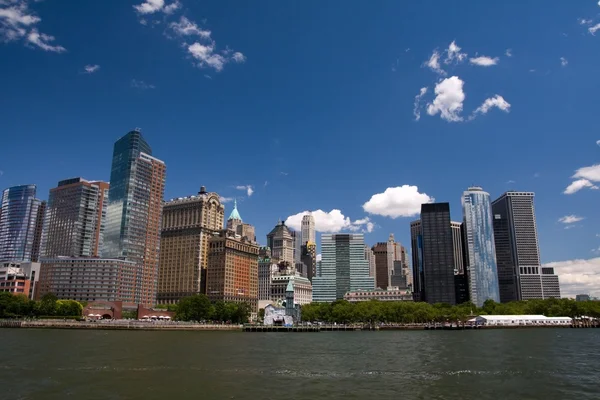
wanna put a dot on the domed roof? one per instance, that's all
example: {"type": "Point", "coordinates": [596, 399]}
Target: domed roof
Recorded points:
{"type": "Point", "coordinates": [234, 214]}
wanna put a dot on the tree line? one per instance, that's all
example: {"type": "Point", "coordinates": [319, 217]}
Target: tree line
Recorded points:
{"type": "Point", "coordinates": [375, 311]}
{"type": "Point", "coordinates": [20, 306]}
{"type": "Point", "coordinates": [199, 308]}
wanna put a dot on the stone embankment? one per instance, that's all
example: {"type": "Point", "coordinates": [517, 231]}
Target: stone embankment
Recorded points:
{"type": "Point", "coordinates": [117, 325]}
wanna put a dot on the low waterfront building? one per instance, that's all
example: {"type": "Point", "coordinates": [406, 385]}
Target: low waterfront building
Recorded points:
{"type": "Point", "coordinates": [390, 294]}
{"type": "Point", "coordinates": [103, 310]}
{"type": "Point", "coordinates": [19, 277]}
{"type": "Point", "coordinates": [275, 316]}
{"type": "Point", "coordinates": [520, 320]}
{"type": "Point", "coordinates": [582, 297]}
{"type": "Point", "coordinates": [91, 279]}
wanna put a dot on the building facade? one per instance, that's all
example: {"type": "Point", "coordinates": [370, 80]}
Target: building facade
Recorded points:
{"type": "Point", "coordinates": [75, 219]}
{"type": "Point", "coordinates": [309, 260]}
{"type": "Point", "coordinates": [267, 266]}
{"type": "Point", "coordinates": [392, 293]}
{"type": "Point", "coordinates": [281, 242]}
{"type": "Point", "coordinates": [232, 273]}
{"type": "Point", "coordinates": [370, 258]}
{"type": "Point", "coordinates": [384, 262]}
{"type": "Point", "coordinates": [137, 182]}
{"type": "Point", "coordinates": [19, 223]}
{"type": "Point", "coordinates": [343, 267]}
{"type": "Point", "coordinates": [302, 288]}
{"type": "Point", "coordinates": [437, 254]}
{"type": "Point", "coordinates": [20, 277]}
{"type": "Point", "coordinates": [188, 223]}
{"type": "Point", "coordinates": [416, 244]}
{"type": "Point", "coordinates": [308, 229]}
{"type": "Point", "coordinates": [481, 249]}
{"type": "Point", "coordinates": [520, 273]}
{"type": "Point", "coordinates": [90, 279]}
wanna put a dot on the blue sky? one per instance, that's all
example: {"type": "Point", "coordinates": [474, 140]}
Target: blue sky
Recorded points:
{"type": "Point", "coordinates": [312, 104]}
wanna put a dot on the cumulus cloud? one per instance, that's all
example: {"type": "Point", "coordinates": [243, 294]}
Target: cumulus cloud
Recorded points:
{"type": "Point", "coordinates": [238, 57]}
{"type": "Point", "coordinates": [579, 184]}
{"type": "Point", "coordinates": [417, 108]}
{"type": "Point", "coordinates": [578, 276]}
{"type": "Point", "coordinates": [454, 55]}
{"type": "Point", "coordinates": [400, 201]}
{"type": "Point", "coordinates": [185, 27]}
{"type": "Point", "coordinates": [206, 56]}
{"type": "Point", "coordinates": [496, 101]}
{"type": "Point", "coordinates": [593, 29]}
{"type": "Point", "coordinates": [153, 6]}
{"type": "Point", "coordinates": [598, 142]}
{"type": "Point", "coordinates": [449, 99]}
{"type": "Point", "coordinates": [564, 62]}
{"type": "Point", "coordinates": [331, 222]}
{"type": "Point", "coordinates": [434, 63]}
{"type": "Point", "coordinates": [248, 188]}
{"type": "Point", "coordinates": [17, 22]}
{"type": "Point", "coordinates": [484, 61]}
{"type": "Point", "coordinates": [585, 177]}
{"type": "Point", "coordinates": [570, 219]}
{"type": "Point", "coordinates": [90, 69]}
{"type": "Point", "coordinates": [141, 85]}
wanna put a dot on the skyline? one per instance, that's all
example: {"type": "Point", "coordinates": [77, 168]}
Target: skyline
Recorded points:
{"type": "Point", "coordinates": [320, 116]}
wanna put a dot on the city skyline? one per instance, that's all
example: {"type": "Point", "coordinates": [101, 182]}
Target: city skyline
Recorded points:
{"type": "Point", "coordinates": [87, 97]}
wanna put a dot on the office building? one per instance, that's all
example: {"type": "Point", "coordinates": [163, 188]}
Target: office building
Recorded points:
{"type": "Point", "coordinates": [297, 240]}
{"type": "Point", "coordinates": [308, 229]}
{"type": "Point", "coordinates": [137, 182]}
{"type": "Point", "coordinates": [582, 297]}
{"type": "Point", "coordinates": [343, 267]}
{"type": "Point", "coordinates": [392, 293]}
{"type": "Point", "coordinates": [187, 225]}
{"type": "Point", "coordinates": [281, 278]}
{"type": "Point", "coordinates": [281, 242]}
{"type": "Point", "coordinates": [416, 244]}
{"type": "Point", "coordinates": [20, 215]}
{"type": "Point", "coordinates": [520, 273]}
{"type": "Point", "coordinates": [75, 219]}
{"type": "Point", "coordinates": [437, 254]}
{"type": "Point", "coordinates": [384, 262]}
{"type": "Point", "coordinates": [38, 239]}
{"type": "Point", "coordinates": [370, 257]}
{"type": "Point", "coordinates": [266, 268]}
{"type": "Point", "coordinates": [235, 224]}
{"type": "Point", "coordinates": [481, 249]}
{"type": "Point", "coordinates": [309, 260]}
{"type": "Point", "coordinates": [232, 273]}
{"type": "Point", "coordinates": [20, 277]}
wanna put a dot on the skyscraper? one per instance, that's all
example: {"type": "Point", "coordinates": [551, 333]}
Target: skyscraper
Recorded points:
{"type": "Point", "coordinates": [460, 275]}
{"type": "Point", "coordinates": [370, 257]}
{"type": "Point", "coordinates": [281, 243]}
{"type": "Point", "coordinates": [309, 259]}
{"type": "Point", "coordinates": [75, 219]}
{"type": "Point", "coordinates": [416, 244]}
{"type": "Point", "coordinates": [520, 274]}
{"type": "Point", "coordinates": [137, 182]}
{"type": "Point", "coordinates": [384, 262]}
{"type": "Point", "coordinates": [19, 223]}
{"type": "Point", "coordinates": [308, 229]}
{"type": "Point", "coordinates": [437, 254]}
{"type": "Point", "coordinates": [343, 267]}
{"type": "Point", "coordinates": [481, 257]}
{"type": "Point", "coordinates": [187, 225]}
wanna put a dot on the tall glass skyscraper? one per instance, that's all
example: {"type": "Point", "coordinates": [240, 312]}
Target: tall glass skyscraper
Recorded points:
{"type": "Point", "coordinates": [133, 220]}
{"type": "Point", "coordinates": [479, 232]}
{"type": "Point", "coordinates": [343, 267]}
{"type": "Point", "coordinates": [19, 215]}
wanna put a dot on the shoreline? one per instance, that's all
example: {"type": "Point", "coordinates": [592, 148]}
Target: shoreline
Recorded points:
{"type": "Point", "coordinates": [182, 326]}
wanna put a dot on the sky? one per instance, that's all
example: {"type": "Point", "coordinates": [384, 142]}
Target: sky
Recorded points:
{"type": "Point", "coordinates": [358, 111]}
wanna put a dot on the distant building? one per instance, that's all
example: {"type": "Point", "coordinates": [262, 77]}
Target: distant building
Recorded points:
{"type": "Point", "coordinates": [308, 229]}
{"type": "Point", "coordinates": [281, 243]}
{"type": "Point", "coordinates": [481, 250]}
{"type": "Point", "coordinates": [416, 244]}
{"type": "Point", "coordinates": [232, 273]}
{"type": "Point", "coordinates": [309, 259]}
{"type": "Point", "coordinates": [137, 182]}
{"type": "Point", "coordinates": [235, 224]}
{"type": "Point", "coordinates": [266, 268]}
{"type": "Point", "coordinates": [520, 320]}
{"type": "Point", "coordinates": [461, 279]}
{"type": "Point", "coordinates": [276, 315]}
{"type": "Point", "coordinates": [297, 241]}
{"type": "Point", "coordinates": [390, 294]}
{"type": "Point", "coordinates": [19, 277]}
{"type": "Point", "coordinates": [75, 219]}
{"type": "Point", "coordinates": [188, 223]}
{"type": "Point", "coordinates": [520, 273]}
{"type": "Point", "coordinates": [91, 279]}
{"type": "Point", "coordinates": [20, 216]}
{"type": "Point", "coordinates": [280, 279]}
{"type": "Point", "coordinates": [370, 258]}
{"type": "Point", "coordinates": [582, 297]}
{"type": "Point", "coordinates": [384, 262]}
{"type": "Point", "coordinates": [343, 267]}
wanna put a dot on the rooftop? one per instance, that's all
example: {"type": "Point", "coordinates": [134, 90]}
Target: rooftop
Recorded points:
{"type": "Point", "coordinates": [234, 213]}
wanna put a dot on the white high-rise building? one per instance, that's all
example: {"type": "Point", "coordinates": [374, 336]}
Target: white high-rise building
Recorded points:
{"type": "Point", "coordinates": [308, 229]}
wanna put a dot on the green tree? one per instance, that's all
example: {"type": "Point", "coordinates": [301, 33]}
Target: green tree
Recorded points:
{"type": "Point", "coordinates": [193, 308]}
{"type": "Point", "coordinates": [47, 306]}
{"type": "Point", "coordinates": [261, 314]}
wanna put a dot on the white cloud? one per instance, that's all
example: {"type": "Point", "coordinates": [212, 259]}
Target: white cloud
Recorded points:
{"type": "Point", "coordinates": [400, 201]}
{"type": "Point", "coordinates": [185, 27]}
{"type": "Point", "coordinates": [330, 222]}
{"type": "Point", "coordinates": [248, 188]}
{"type": "Point", "coordinates": [417, 108]}
{"type": "Point", "coordinates": [141, 85]}
{"type": "Point", "coordinates": [579, 184]}
{"type": "Point", "coordinates": [206, 56]}
{"type": "Point", "coordinates": [570, 219]}
{"type": "Point", "coordinates": [496, 101]}
{"type": "Point", "coordinates": [591, 173]}
{"type": "Point", "coordinates": [42, 41]}
{"type": "Point", "coordinates": [484, 61]}
{"type": "Point", "coordinates": [90, 69]}
{"type": "Point", "coordinates": [225, 199]}
{"type": "Point", "coordinates": [434, 63]}
{"type": "Point", "coordinates": [238, 57]}
{"type": "Point", "coordinates": [578, 276]}
{"type": "Point", "coordinates": [171, 8]}
{"type": "Point", "coordinates": [508, 53]}
{"type": "Point", "coordinates": [510, 182]}
{"type": "Point", "coordinates": [583, 21]}
{"type": "Point", "coordinates": [17, 21]}
{"type": "Point", "coordinates": [449, 99]}
{"type": "Point", "coordinates": [564, 62]}
{"type": "Point", "coordinates": [453, 54]}
{"type": "Point", "coordinates": [598, 142]}
{"type": "Point", "coordinates": [152, 6]}
{"type": "Point", "coordinates": [593, 29]}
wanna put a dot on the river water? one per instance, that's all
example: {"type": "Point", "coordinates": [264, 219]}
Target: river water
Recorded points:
{"type": "Point", "coordinates": [543, 364]}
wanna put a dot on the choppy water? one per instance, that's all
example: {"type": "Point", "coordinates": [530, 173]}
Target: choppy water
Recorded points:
{"type": "Point", "coordinates": [517, 364]}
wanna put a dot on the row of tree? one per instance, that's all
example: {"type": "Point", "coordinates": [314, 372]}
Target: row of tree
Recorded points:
{"type": "Point", "coordinates": [13, 306]}
{"type": "Point", "coordinates": [200, 308]}
{"type": "Point", "coordinates": [418, 312]}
